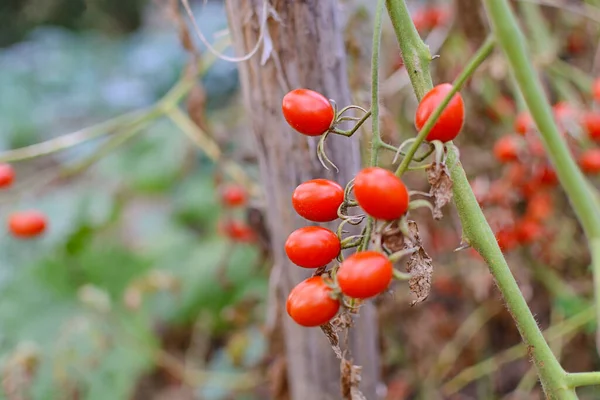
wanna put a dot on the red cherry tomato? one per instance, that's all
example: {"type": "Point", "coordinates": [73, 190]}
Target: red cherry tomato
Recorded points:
{"type": "Point", "coordinates": [310, 303]}
{"type": "Point", "coordinates": [7, 175]}
{"type": "Point", "coordinates": [591, 123]}
{"type": "Point", "coordinates": [507, 239]}
{"type": "Point", "coordinates": [237, 231]}
{"type": "Point", "coordinates": [450, 122]}
{"type": "Point", "coordinates": [233, 196]}
{"type": "Point", "coordinates": [437, 16]}
{"type": "Point", "coordinates": [381, 193]}
{"type": "Point", "coordinates": [596, 89]}
{"type": "Point", "coordinates": [547, 176]}
{"type": "Point", "coordinates": [364, 274]}
{"type": "Point", "coordinates": [27, 224]}
{"type": "Point", "coordinates": [524, 123]}
{"type": "Point", "coordinates": [318, 200]}
{"type": "Point", "coordinates": [528, 231]}
{"type": "Point", "coordinates": [307, 111]}
{"type": "Point", "coordinates": [590, 161]}
{"type": "Point", "coordinates": [420, 20]}
{"type": "Point", "coordinates": [539, 207]}
{"type": "Point", "coordinates": [506, 149]}
{"type": "Point", "coordinates": [312, 246]}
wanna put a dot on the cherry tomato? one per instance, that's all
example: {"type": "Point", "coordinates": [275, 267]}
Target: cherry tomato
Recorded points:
{"type": "Point", "coordinates": [528, 231]}
{"type": "Point", "coordinates": [596, 89]}
{"type": "Point", "coordinates": [237, 231]}
{"type": "Point", "coordinates": [364, 274]}
{"type": "Point", "coordinates": [524, 123]}
{"type": "Point", "coordinates": [546, 176]}
{"type": "Point", "coordinates": [310, 303]}
{"type": "Point", "coordinates": [27, 224]}
{"type": "Point", "coordinates": [307, 111]}
{"type": "Point", "coordinates": [450, 122]}
{"type": "Point", "coordinates": [420, 20]}
{"type": "Point", "coordinates": [539, 207]}
{"type": "Point", "coordinates": [312, 246]}
{"type": "Point", "coordinates": [591, 123]}
{"type": "Point", "coordinates": [437, 16]}
{"type": "Point", "coordinates": [507, 239]}
{"type": "Point", "coordinates": [380, 193]}
{"type": "Point", "coordinates": [506, 149]}
{"type": "Point", "coordinates": [318, 200]}
{"type": "Point", "coordinates": [233, 195]}
{"type": "Point", "coordinates": [590, 161]}
{"type": "Point", "coordinates": [7, 175]}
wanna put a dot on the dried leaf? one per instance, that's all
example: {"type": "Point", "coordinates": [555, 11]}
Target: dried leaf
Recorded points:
{"type": "Point", "coordinates": [420, 265]}
{"type": "Point", "coordinates": [392, 238]}
{"type": "Point", "coordinates": [350, 379]}
{"type": "Point", "coordinates": [438, 177]}
{"type": "Point", "coordinates": [334, 339]}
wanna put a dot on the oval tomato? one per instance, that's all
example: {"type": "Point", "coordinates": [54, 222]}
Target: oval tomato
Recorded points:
{"type": "Point", "coordinates": [451, 120]}
{"type": "Point", "coordinates": [310, 303]}
{"type": "Point", "coordinates": [364, 274]}
{"type": "Point", "coordinates": [7, 175]}
{"type": "Point", "coordinates": [590, 161]}
{"type": "Point", "coordinates": [591, 123]}
{"type": "Point", "coordinates": [381, 193]}
{"type": "Point", "coordinates": [233, 195]}
{"type": "Point", "coordinates": [506, 149]}
{"type": "Point", "coordinates": [312, 246]}
{"type": "Point", "coordinates": [539, 206]}
{"type": "Point", "coordinates": [27, 224]}
{"type": "Point", "coordinates": [307, 111]}
{"type": "Point", "coordinates": [528, 231]}
{"type": "Point", "coordinates": [237, 231]}
{"type": "Point", "coordinates": [318, 200]}
{"type": "Point", "coordinates": [524, 123]}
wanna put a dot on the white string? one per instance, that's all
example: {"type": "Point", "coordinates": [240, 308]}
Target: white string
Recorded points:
{"type": "Point", "coordinates": [252, 52]}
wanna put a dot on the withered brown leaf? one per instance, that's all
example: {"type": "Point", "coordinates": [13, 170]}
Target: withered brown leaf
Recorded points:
{"type": "Point", "coordinates": [420, 265]}
{"type": "Point", "coordinates": [438, 177]}
{"type": "Point", "coordinates": [350, 379]}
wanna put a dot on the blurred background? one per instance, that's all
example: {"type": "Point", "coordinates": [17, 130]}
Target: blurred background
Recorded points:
{"type": "Point", "coordinates": [147, 286]}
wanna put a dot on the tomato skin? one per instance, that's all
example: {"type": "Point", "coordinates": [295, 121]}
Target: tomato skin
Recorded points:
{"type": "Point", "coordinates": [310, 302]}
{"type": "Point", "coordinates": [364, 274]}
{"type": "Point", "coordinates": [380, 193]}
{"type": "Point", "coordinates": [7, 175]}
{"type": "Point", "coordinates": [596, 89]}
{"type": "Point", "coordinates": [27, 224]}
{"type": "Point", "coordinates": [507, 239]}
{"type": "Point", "coordinates": [539, 207]}
{"type": "Point", "coordinates": [237, 231]}
{"type": "Point", "coordinates": [233, 195]}
{"type": "Point", "coordinates": [523, 123]}
{"type": "Point", "coordinates": [318, 200]}
{"type": "Point", "coordinates": [506, 149]}
{"type": "Point", "coordinates": [307, 111]}
{"type": "Point", "coordinates": [590, 161]}
{"type": "Point", "coordinates": [528, 231]}
{"type": "Point", "coordinates": [312, 246]}
{"type": "Point", "coordinates": [450, 122]}
{"type": "Point", "coordinates": [591, 123]}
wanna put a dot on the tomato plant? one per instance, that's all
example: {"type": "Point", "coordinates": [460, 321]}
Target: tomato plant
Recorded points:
{"type": "Point", "coordinates": [364, 274]}
{"type": "Point", "coordinates": [311, 302]}
{"type": "Point", "coordinates": [450, 122]}
{"type": "Point", "coordinates": [318, 200]}
{"type": "Point", "coordinates": [27, 224]}
{"type": "Point", "coordinates": [381, 193]}
{"type": "Point", "coordinates": [308, 112]}
{"type": "Point", "coordinates": [312, 246]}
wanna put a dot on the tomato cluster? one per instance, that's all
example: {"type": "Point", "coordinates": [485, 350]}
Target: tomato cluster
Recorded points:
{"type": "Point", "coordinates": [22, 224]}
{"type": "Point", "coordinates": [378, 192]}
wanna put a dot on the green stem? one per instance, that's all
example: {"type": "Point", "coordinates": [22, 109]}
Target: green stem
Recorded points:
{"type": "Point", "coordinates": [376, 138]}
{"type": "Point", "coordinates": [572, 180]}
{"type": "Point", "coordinates": [583, 379]}
{"type": "Point", "coordinates": [415, 53]}
{"type": "Point", "coordinates": [483, 52]}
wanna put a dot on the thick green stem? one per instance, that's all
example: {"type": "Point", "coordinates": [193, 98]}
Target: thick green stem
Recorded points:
{"type": "Point", "coordinates": [583, 379]}
{"type": "Point", "coordinates": [415, 53]}
{"type": "Point", "coordinates": [572, 180]}
{"type": "Point", "coordinates": [376, 134]}
{"type": "Point", "coordinates": [484, 51]}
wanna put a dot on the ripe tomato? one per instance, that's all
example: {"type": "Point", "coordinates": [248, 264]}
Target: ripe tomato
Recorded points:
{"type": "Point", "coordinates": [310, 303]}
{"type": "Point", "coordinates": [546, 176]}
{"type": "Point", "coordinates": [365, 274]}
{"type": "Point", "coordinates": [312, 246]}
{"type": "Point", "coordinates": [539, 207]}
{"type": "Point", "coordinates": [506, 149]}
{"type": "Point", "coordinates": [380, 193]}
{"type": "Point", "coordinates": [591, 123]}
{"type": "Point", "coordinates": [524, 123]}
{"type": "Point", "coordinates": [318, 200]}
{"type": "Point", "coordinates": [237, 231]}
{"type": "Point", "coordinates": [507, 239]}
{"type": "Point", "coordinates": [528, 231]}
{"type": "Point", "coordinates": [596, 89]}
{"type": "Point", "coordinates": [27, 224]}
{"type": "Point", "coordinates": [307, 111]}
{"type": "Point", "coordinates": [450, 122]}
{"type": "Point", "coordinates": [233, 195]}
{"type": "Point", "coordinates": [7, 175]}
{"type": "Point", "coordinates": [590, 161]}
